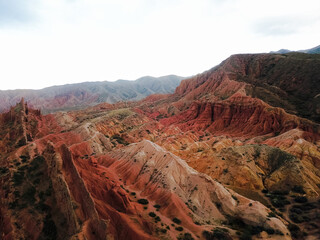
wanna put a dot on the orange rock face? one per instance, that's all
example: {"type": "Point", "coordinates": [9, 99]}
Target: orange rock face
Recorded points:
{"type": "Point", "coordinates": [190, 165]}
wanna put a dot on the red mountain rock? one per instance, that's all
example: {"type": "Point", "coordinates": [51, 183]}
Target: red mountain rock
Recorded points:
{"type": "Point", "coordinates": [233, 153]}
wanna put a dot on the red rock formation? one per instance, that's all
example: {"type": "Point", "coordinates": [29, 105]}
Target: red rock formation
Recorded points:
{"type": "Point", "coordinates": [226, 123]}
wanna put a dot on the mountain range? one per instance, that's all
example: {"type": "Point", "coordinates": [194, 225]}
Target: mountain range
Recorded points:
{"type": "Point", "coordinates": [81, 95]}
{"type": "Point", "coordinates": [315, 50]}
{"type": "Point", "coordinates": [232, 153]}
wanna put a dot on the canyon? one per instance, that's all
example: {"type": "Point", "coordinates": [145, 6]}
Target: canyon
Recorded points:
{"type": "Point", "coordinates": [233, 153]}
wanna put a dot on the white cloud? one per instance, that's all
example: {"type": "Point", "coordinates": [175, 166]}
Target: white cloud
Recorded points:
{"type": "Point", "coordinates": [95, 40]}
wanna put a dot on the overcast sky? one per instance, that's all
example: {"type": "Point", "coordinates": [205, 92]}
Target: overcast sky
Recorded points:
{"type": "Point", "coordinates": [54, 42]}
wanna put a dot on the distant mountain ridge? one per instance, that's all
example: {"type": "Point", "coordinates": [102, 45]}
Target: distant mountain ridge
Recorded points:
{"type": "Point", "coordinates": [315, 50]}
{"type": "Point", "coordinates": [80, 95]}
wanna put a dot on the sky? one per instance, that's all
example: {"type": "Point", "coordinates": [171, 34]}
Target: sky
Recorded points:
{"type": "Point", "coordinates": [55, 42]}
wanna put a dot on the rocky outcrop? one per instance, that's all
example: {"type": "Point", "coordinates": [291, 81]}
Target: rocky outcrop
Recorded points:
{"type": "Point", "coordinates": [240, 116]}
{"type": "Point", "coordinates": [158, 173]}
{"type": "Point", "coordinates": [289, 81]}
{"type": "Point", "coordinates": [171, 166]}
{"type": "Point", "coordinates": [61, 190]}
{"type": "Point", "coordinates": [80, 193]}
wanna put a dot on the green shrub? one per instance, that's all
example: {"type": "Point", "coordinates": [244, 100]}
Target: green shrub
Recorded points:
{"type": "Point", "coordinates": [299, 199]}
{"type": "Point", "coordinates": [186, 236]}
{"type": "Point", "coordinates": [296, 218]}
{"type": "Point", "coordinates": [24, 158]}
{"type": "Point", "coordinates": [143, 201]}
{"type": "Point", "coordinates": [49, 229]}
{"type": "Point", "coordinates": [42, 207]}
{"type": "Point", "coordinates": [180, 229]}
{"type": "Point", "coordinates": [28, 195]}
{"type": "Point", "coordinates": [293, 227]}
{"type": "Point", "coordinates": [234, 197]}
{"type": "Point", "coordinates": [119, 139]}
{"type": "Point", "coordinates": [272, 214]}
{"type": "Point", "coordinates": [18, 178]}
{"type": "Point", "coordinates": [21, 142]}
{"type": "Point", "coordinates": [218, 233]}
{"type": "Point", "coordinates": [13, 205]}
{"type": "Point", "coordinates": [296, 210]}
{"type": "Point", "coordinates": [278, 192]}
{"type": "Point", "coordinates": [36, 181]}
{"type": "Point", "coordinates": [157, 206]}
{"type": "Point", "coordinates": [298, 189]}
{"type": "Point", "coordinates": [278, 200]}
{"type": "Point", "coordinates": [295, 231]}
{"type": "Point", "coordinates": [245, 236]}
{"type": "Point", "coordinates": [278, 232]}
{"type": "Point", "coordinates": [36, 163]}
{"type": "Point", "coordinates": [3, 171]}
{"type": "Point", "coordinates": [270, 230]}
{"type": "Point", "coordinates": [163, 230]}
{"type": "Point", "coordinates": [307, 206]}
{"type": "Point", "coordinates": [48, 192]}
{"type": "Point", "coordinates": [16, 194]}
{"type": "Point", "coordinates": [152, 214]}
{"type": "Point", "coordinates": [176, 220]}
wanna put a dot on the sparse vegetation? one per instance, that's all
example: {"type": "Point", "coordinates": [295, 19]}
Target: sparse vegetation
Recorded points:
{"type": "Point", "coordinates": [180, 229]}
{"type": "Point", "coordinates": [271, 214]}
{"type": "Point", "coordinates": [247, 231]}
{"type": "Point", "coordinates": [235, 198]}
{"type": "Point", "coordinates": [24, 158]}
{"type": "Point", "coordinates": [18, 178]}
{"type": "Point", "coordinates": [21, 142]}
{"type": "Point", "coordinates": [157, 206]}
{"type": "Point", "coordinates": [186, 236]}
{"type": "Point", "coordinates": [217, 233]}
{"type": "Point", "coordinates": [200, 150]}
{"type": "Point", "coordinates": [3, 171]}
{"type": "Point", "coordinates": [119, 139]}
{"type": "Point", "coordinates": [28, 195]}
{"type": "Point", "coordinates": [36, 163]}
{"type": "Point", "coordinates": [152, 214]}
{"type": "Point", "coordinates": [163, 230]}
{"type": "Point", "coordinates": [278, 199]}
{"type": "Point", "coordinates": [49, 230]}
{"type": "Point", "coordinates": [298, 189]}
{"type": "Point", "coordinates": [295, 231]}
{"type": "Point", "coordinates": [143, 201]}
{"type": "Point", "coordinates": [176, 220]}
{"type": "Point", "coordinates": [300, 199]}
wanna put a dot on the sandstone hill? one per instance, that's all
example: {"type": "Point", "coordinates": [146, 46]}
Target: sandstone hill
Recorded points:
{"type": "Point", "coordinates": [233, 153]}
{"type": "Point", "coordinates": [64, 181]}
